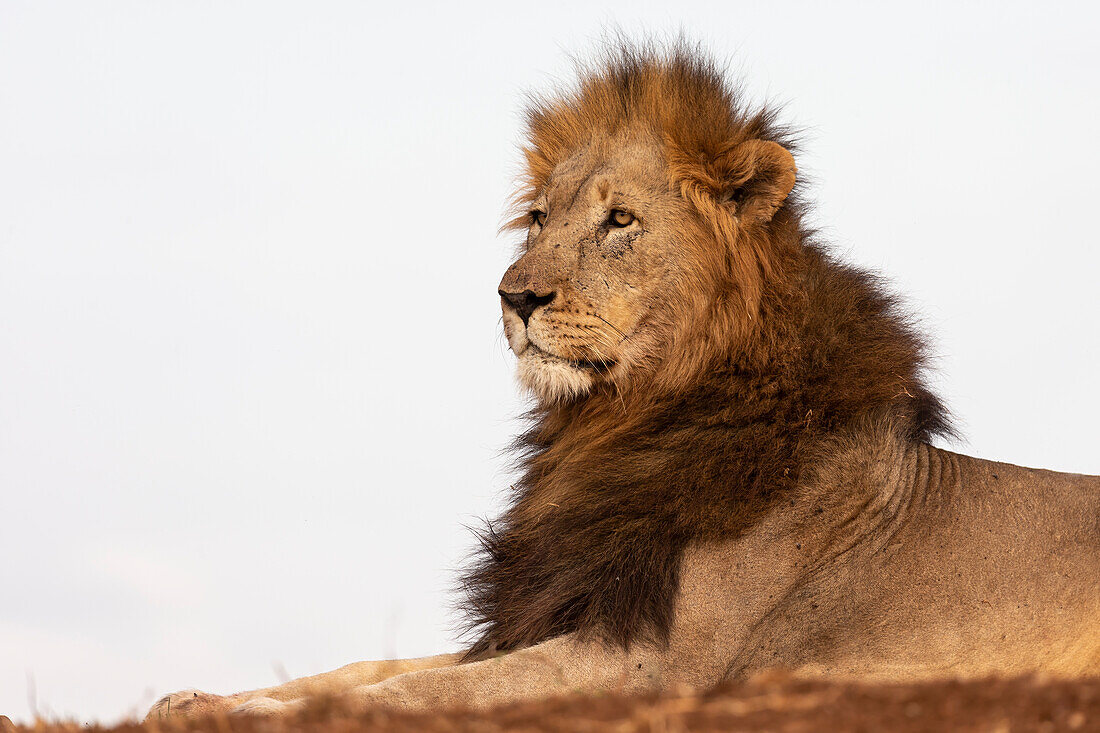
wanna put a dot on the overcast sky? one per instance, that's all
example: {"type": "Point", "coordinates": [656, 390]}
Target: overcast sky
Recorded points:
{"type": "Point", "coordinates": [252, 376]}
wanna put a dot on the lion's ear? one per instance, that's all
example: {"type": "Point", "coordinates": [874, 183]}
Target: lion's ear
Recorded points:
{"type": "Point", "coordinates": [757, 176]}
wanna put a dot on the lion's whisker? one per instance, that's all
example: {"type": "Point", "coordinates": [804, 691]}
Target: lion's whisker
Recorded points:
{"type": "Point", "coordinates": [613, 326]}
{"type": "Point", "coordinates": [603, 338]}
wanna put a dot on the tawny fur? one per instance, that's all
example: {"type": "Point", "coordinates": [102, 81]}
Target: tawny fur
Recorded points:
{"type": "Point", "coordinates": [786, 348]}
{"type": "Point", "coordinates": [728, 466]}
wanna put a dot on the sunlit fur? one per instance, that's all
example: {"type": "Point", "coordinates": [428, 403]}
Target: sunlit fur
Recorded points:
{"type": "Point", "coordinates": [730, 238]}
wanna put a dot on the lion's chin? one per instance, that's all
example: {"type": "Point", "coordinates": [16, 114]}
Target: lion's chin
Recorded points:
{"type": "Point", "coordinates": [551, 378]}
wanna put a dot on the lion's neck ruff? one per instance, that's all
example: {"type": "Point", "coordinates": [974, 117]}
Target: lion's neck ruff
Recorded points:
{"type": "Point", "coordinates": [615, 485]}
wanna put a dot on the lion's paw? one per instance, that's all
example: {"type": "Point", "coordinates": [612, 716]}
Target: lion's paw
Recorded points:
{"type": "Point", "coordinates": [266, 707]}
{"type": "Point", "coordinates": [189, 704]}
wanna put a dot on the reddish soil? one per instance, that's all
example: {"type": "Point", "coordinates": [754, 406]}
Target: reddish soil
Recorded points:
{"type": "Point", "coordinates": [1001, 706]}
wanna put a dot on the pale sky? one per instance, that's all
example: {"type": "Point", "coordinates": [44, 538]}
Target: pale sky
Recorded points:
{"type": "Point", "coordinates": [252, 378]}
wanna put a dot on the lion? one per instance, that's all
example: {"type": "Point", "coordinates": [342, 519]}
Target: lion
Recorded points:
{"type": "Point", "coordinates": [729, 467]}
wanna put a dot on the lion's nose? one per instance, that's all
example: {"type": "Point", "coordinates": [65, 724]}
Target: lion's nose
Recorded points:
{"type": "Point", "coordinates": [526, 302]}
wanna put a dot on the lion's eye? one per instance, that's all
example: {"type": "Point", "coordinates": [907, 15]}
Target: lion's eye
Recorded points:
{"type": "Point", "coordinates": [620, 218]}
{"type": "Point", "coordinates": [538, 217]}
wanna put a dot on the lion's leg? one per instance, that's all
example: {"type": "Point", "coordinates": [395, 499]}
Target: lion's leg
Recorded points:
{"type": "Point", "coordinates": [556, 667]}
{"type": "Point", "coordinates": [352, 675]}
{"type": "Point", "coordinates": [194, 703]}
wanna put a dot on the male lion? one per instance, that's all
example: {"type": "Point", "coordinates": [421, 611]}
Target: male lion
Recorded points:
{"type": "Point", "coordinates": [729, 467]}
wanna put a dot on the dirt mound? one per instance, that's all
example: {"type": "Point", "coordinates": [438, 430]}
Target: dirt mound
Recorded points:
{"type": "Point", "coordinates": [1025, 704]}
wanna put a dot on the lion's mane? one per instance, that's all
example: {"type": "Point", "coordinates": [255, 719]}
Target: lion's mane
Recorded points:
{"type": "Point", "coordinates": [789, 350]}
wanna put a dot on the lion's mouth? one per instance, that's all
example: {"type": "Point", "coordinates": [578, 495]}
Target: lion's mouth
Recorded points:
{"type": "Point", "coordinates": [598, 366]}
{"type": "Point", "coordinates": [595, 365]}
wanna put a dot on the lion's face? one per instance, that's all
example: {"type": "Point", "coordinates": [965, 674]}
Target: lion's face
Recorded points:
{"type": "Point", "coordinates": [584, 302]}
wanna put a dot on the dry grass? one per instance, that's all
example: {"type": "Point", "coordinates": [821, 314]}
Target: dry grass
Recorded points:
{"type": "Point", "coordinates": [1008, 706]}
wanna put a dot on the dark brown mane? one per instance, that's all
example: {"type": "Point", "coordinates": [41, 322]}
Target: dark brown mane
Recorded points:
{"type": "Point", "coordinates": [617, 484]}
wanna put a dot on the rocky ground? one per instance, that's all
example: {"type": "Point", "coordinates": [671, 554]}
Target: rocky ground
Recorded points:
{"type": "Point", "coordinates": [1004, 706]}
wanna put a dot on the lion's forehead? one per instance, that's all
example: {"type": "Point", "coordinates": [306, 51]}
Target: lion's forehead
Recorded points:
{"type": "Point", "coordinates": [597, 173]}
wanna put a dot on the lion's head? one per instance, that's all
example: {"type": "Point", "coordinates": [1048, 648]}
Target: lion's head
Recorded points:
{"type": "Point", "coordinates": [648, 205]}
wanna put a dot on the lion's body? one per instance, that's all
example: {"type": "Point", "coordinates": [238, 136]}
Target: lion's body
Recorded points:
{"type": "Point", "coordinates": [921, 563]}
{"type": "Point", "coordinates": [729, 467]}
